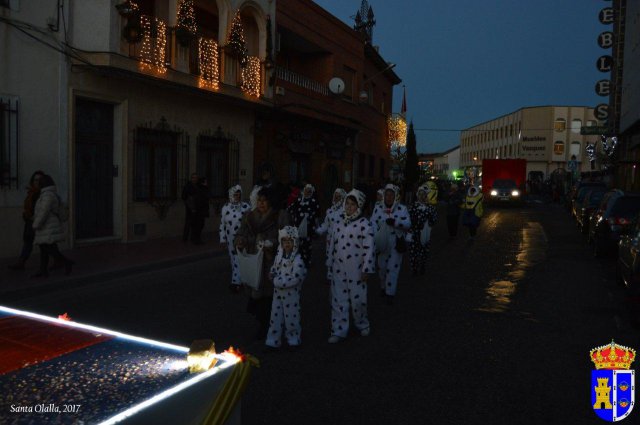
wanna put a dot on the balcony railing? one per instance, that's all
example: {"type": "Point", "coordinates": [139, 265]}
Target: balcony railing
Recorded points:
{"type": "Point", "coordinates": [301, 81]}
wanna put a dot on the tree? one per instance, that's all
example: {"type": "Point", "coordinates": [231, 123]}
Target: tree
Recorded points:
{"type": "Point", "coordinates": [411, 173]}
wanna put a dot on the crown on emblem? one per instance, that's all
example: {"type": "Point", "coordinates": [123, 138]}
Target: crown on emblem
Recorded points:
{"type": "Point", "coordinates": [612, 356]}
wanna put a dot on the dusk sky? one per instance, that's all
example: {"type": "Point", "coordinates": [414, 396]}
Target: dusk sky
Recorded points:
{"type": "Point", "coordinates": [470, 61]}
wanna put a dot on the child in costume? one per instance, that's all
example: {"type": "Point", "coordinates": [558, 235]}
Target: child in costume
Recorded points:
{"type": "Point", "coordinates": [231, 217]}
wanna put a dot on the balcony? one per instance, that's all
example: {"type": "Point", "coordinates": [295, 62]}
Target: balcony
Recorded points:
{"type": "Point", "coordinates": [301, 81]}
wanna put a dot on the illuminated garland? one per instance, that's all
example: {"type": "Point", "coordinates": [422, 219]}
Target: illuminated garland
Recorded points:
{"type": "Point", "coordinates": [153, 48]}
{"type": "Point", "coordinates": [236, 42]}
{"type": "Point", "coordinates": [251, 77]}
{"type": "Point", "coordinates": [397, 130]}
{"type": "Point", "coordinates": [186, 18]}
{"type": "Point", "coordinates": [208, 55]}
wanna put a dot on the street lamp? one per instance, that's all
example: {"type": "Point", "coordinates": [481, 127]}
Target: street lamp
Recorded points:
{"type": "Point", "coordinates": [364, 96]}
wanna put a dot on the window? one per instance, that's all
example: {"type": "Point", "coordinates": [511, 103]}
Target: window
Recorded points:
{"type": "Point", "coordinates": [558, 148]}
{"type": "Point", "coordinates": [576, 125]}
{"type": "Point", "coordinates": [349, 83]}
{"type": "Point", "coordinates": [591, 123]}
{"type": "Point", "coordinates": [560, 124]}
{"type": "Point", "coordinates": [574, 149]}
{"type": "Point", "coordinates": [299, 169]}
{"type": "Point", "coordinates": [217, 155]}
{"type": "Point", "coordinates": [382, 176]}
{"type": "Point", "coordinates": [8, 142]}
{"type": "Point", "coordinates": [155, 168]}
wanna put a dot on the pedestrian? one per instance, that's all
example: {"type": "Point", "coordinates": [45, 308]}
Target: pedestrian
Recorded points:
{"type": "Point", "coordinates": [230, 220]}
{"type": "Point", "coordinates": [47, 223]}
{"type": "Point", "coordinates": [259, 230]}
{"type": "Point", "coordinates": [305, 208]}
{"type": "Point", "coordinates": [188, 197]}
{"type": "Point", "coordinates": [287, 273]}
{"type": "Point", "coordinates": [391, 224]}
{"type": "Point", "coordinates": [333, 215]}
{"type": "Point", "coordinates": [473, 211]}
{"type": "Point", "coordinates": [423, 217]}
{"type": "Point", "coordinates": [28, 234]}
{"type": "Point", "coordinates": [454, 201]}
{"type": "Point", "coordinates": [432, 197]}
{"type": "Point", "coordinates": [351, 261]}
{"type": "Point", "coordinates": [278, 190]}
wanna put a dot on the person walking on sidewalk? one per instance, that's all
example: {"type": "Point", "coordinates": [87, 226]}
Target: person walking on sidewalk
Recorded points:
{"type": "Point", "coordinates": [454, 201]}
{"type": "Point", "coordinates": [189, 198]}
{"type": "Point", "coordinates": [28, 234]}
{"type": "Point", "coordinates": [391, 224]}
{"type": "Point", "coordinates": [423, 217]}
{"type": "Point", "coordinates": [351, 262]}
{"type": "Point", "coordinates": [473, 211]}
{"type": "Point", "coordinates": [287, 273]}
{"type": "Point", "coordinates": [47, 223]}
{"type": "Point", "coordinates": [230, 220]}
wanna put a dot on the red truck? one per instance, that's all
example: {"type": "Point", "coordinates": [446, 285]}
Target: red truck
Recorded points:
{"type": "Point", "coordinates": [504, 180]}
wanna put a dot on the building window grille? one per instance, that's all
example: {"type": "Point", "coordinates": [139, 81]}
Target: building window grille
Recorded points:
{"type": "Point", "coordinates": [155, 164]}
{"type": "Point", "coordinates": [560, 124]}
{"type": "Point", "coordinates": [8, 142]}
{"type": "Point", "coordinates": [218, 161]}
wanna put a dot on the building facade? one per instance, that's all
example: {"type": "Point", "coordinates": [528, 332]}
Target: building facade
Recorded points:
{"type": "Point", "coordinates": [547, 137]}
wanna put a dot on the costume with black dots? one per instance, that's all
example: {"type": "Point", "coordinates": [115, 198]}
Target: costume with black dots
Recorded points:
{"type": "Point", "coordinates": [390, 261]}
{"type": "Point", "coordinates": [230, 220]}
{"type": "Point", "coordinates": [421, 215]}
{"type": "Point", "coordinates": [309, 207]}
{"type": "Point", "coordinates": [288, 272]}
{"type": "Point", "coordinates": [331, 218]}
{"type": "Point", "coordinates": [352, 256]}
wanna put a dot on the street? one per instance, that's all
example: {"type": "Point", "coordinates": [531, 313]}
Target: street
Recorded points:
{"type": "Point", "coordinates": [498, 332]}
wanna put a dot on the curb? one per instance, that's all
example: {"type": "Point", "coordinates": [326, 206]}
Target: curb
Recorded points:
{"type": "Point", "coordinates": [100, 277]}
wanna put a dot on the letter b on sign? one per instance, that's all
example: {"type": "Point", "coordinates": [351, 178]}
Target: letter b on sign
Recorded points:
{"type": "Point", "coordinates": [605, 40]}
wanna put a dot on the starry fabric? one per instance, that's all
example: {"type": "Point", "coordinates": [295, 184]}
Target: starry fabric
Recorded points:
{"type": "Point", "coordinates": [421, 215]}
{"type": "Point", "coordinates": [288, 273]}
{"type": "Point", "coordinates": [230, 220]}
{"type": "Point", "coordinates": [389, 262]}
{"type": "Point", "coordinates": [310, 208]}
{"type": "Point", "coordinates": [352, 255]}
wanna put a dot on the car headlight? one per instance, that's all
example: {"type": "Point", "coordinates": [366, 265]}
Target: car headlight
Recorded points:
{"type": "Point", "coordinates": [515, 193]}
{"type": "Point", "coordinates": [494, 193]}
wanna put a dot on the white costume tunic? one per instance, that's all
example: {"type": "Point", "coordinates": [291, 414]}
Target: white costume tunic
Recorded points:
{"type": "Point", "coordinates": [390, 261]}
{"type": "Point", "coordinates": [231, 217]}
{"type": "Point", "coordinates": [331, 218]}
{"type": "Point", "coordinates": [352, 255]}
{"type": "Point", "coordinates": [288, 274]}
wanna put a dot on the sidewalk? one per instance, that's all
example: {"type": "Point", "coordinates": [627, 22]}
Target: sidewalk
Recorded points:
{"type": "Point", "coordinates": [104, 262]}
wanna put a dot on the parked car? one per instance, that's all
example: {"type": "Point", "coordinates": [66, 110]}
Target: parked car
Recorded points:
{"type": "Point", "coordinates": [504, 191]}
{"type": "Point", "coordinates": [611, 219]}
{"type": "Point", "coordinates": [628, 268]}
{"type": "Point", "coordinates": [588, 205]}
{"type": "Point", "coordinates": [580, 188]}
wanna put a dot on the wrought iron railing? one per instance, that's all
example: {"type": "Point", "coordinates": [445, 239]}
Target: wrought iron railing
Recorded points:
{"type": "Point", "coordinates": [301, 81]}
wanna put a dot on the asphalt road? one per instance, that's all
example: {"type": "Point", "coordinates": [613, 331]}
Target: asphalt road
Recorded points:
{"type": "Point", "coordinates": [498, 332]}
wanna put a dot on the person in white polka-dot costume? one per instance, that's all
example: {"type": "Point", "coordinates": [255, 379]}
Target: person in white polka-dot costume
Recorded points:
{"type": "Point", "coordinates": [230, 219]}
{"type": "Point", "coordinates": [333, 215]}
{"type": "Point", "coordinates": [396, 216]}
{"type": "Point", "coordinates": [287, 273]}
{"type": "Point", "coordinates": [351, 262]}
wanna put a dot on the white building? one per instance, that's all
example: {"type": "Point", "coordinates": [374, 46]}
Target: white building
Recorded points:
{"type": "Point", "coordinates": [546, 136]}
{"type": "Point", "coordinates": [120, 123]}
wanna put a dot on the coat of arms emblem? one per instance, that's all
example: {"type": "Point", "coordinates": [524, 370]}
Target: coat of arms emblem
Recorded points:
{"type": "Point", "coordinates": [613, 381]}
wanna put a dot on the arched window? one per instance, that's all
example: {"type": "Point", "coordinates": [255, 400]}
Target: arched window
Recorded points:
{"type": "Point", "coordinates": [574, 149]}
{"type": "Point", "coordinates": [560, 124]}
{"type": "Point", "coordinates": [558, 148]}
{"type": "Point", "coordinates": [576, 125]}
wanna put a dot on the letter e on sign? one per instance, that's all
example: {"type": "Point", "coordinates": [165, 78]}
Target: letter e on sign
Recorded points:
{"type": "Point", "coordinates": [605, 40]}
{"type": "Point", "coordinates": [601, 112]}
{"type": "Point", "coordinates": [603, 88]}
{"type": "Point", "coordinates": [606, 16]}
{"type": "Point", "coordinates": [605, 63]}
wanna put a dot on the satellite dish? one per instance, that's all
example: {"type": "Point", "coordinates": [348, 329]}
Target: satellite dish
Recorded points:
{"type": "Point", "coordinates": [336, 85]}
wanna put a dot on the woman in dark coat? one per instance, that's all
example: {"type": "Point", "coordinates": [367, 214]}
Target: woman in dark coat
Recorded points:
{"type": "Point", "coordinates": [28, 234]}
{"type": "Point", "coordinates": [307, 206]}
{"type": "Point", "coordinates": [259, 229]}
